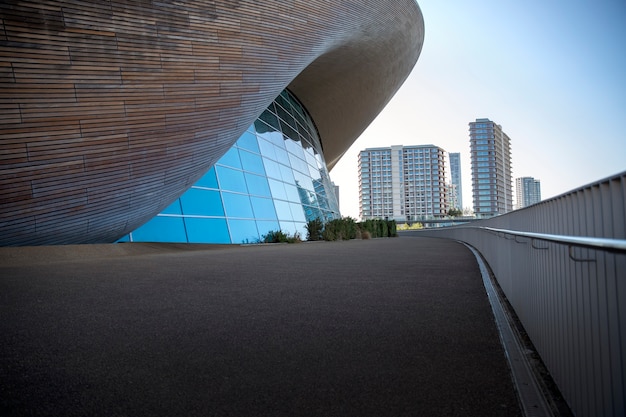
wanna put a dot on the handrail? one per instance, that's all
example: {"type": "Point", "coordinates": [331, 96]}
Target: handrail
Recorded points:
{"type": "Point", "coordinates": [614, 245]}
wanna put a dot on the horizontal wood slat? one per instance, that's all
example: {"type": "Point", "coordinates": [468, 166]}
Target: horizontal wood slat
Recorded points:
{"type": "Point", "coordinates": [109, 110]}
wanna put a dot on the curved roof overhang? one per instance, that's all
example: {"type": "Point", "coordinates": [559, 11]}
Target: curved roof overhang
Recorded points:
{"type": "Point", "coordinates": [346, 87]}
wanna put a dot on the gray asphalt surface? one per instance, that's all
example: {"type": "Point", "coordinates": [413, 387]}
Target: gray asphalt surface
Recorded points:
{"type": "Point", "coordinates": [381, 327]}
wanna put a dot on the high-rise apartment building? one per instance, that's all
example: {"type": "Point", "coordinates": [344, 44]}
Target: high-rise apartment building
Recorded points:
{"type": "Point", "coordinates": [456, 196]}
{"type": "Point", "coordinates": [404, 183]}
{"type": "Point", "coordinates": [492, 187]}
{"type": "Point", "coordinates": [528, 191]}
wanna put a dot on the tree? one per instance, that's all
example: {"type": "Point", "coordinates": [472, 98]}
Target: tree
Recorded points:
{"type": "Point", "coordinates": [453, 212]}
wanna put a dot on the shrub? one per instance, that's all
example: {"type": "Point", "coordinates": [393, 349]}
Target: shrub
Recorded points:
{"type": "Point", "coordinates": [369, 226]}
{"type": "Point", "coordinates": [378, 228]}
{"type": "Point", "coordinates": [383, 231]}
{"type": "Point", "coordinates": [340, 229]}
{"type": "Point", "coordinates": [349, 227]}
{"type": "Point", "coordinates": [278, 236]}
{"type": "Point", "coordinates": [335, 230]}
{"type": "Point", "coordinates": [314, 229]}
{"type": "Point", "coordinates": [392, 228]}
{"type": "Point", "coordinates": [329, 233]}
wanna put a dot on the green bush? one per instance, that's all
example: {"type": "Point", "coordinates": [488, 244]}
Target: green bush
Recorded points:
{"type": "Point", "coordinates": [278, 236]}
{"type": "Point", "coordinates": [348, 228]}
{"type": "Point", "coordinates": [334, 230]}
{"type": "Point", "coordinates": [314, 229]}
{"type": "Point", "coordinates": [392, 228]}
{"type": "Point", "coordinates": [378, 228]}
{"type": "Point", "coordinates": [370, 227]}
{"type": "Point", "coordinates": [383, 231]}
{"type": "Point", "coordinates": [329, 233]}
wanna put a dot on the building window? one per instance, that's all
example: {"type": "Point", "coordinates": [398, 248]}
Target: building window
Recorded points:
{"type": "Point", "coordinates": [273, 178]}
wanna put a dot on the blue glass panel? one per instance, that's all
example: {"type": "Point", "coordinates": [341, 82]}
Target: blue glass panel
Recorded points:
{"type": "Point", "coordinates": [294, 147]}
{"type": "Point", "coordinates": [282, 156]}
{"type": "Point", "coordinates": [305, 135]}
{"type": "Point", "coordinates": [248, 141]}
{"type": "Point", "coordinates": [257, 185]}
{"type": "Point", "coordinates": [301, 229]}
{"type": "Point", "coordinates": [313, 172]}
{"type": "Point", "coordinates": [289, 227]}
{"type": "Point", "coordinates": [278, 189]}
{"type": "Point", "coordinates": [284, 100]}
{"type": "Point", "coordinates": [237, 205]}
{"type": "Point", "coordinates": [231, 158]}
{"type": "Point", "coordinates": [208, 180]}
{"type": "Point", "coordinates": [125, 238]}
{"type": "Point", "coordinates": [252, 162]}
{"type": "Point", "coordinates": [303, 181]}
{"type": "Point", "coordinates": [312, 213]}
{"type": "Point", "coordinates": [329, 215]}
{"type": "Point", "coordinates": [267, 226]}
{"type": "Point", "coordinates": [267, 149]}
{"type": "Point", "coordinates": [323, 202]}
{"type": "Point", "coordinates": [272, 169]}
{"type": "Point", "coordinates": [305, 197]}
{"type": "Point", "coordinates": [268, 117]}
{"type": "Point", "coordinates": [202, 202]}
{"type": "Point", "coordinates": [243, 231]}
{"type": "Point", "coordinates": [292, 193]}
{"type": "Point", "coordinates": [297, 212]}
{"type": "Point", "coordinates": [288, 131]}
{"type": "Point", "coordinates": [173, 208]}
{"type": "Point", "coordinates": [277, 139]}
{"type": "Point", "coordinates": [263, 208]}
{"type": "Point", "coordinates": [298, 164]}
{"type": "Point", "coordinates": [283, 113]}
{"type": "Point", "coordinates": [320, 161]}
{"type": "Point", "coordinates": [312, 198]}
{"type": "Point", "coordinates": [207, 230]}
{"type": "Point", "coordinates": [283, 211]}
{"type": "Point", "coordinates": [310, 158]}
{"type": "Point", "coordinates": [287, 174]}
{"type": "Point", "coordinates": [231, 180]}
{"type": "Point", "coordinates": [161, 229]}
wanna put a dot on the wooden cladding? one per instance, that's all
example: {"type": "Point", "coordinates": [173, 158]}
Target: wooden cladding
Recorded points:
{"type": "Point", "coordinates": [110, 110]}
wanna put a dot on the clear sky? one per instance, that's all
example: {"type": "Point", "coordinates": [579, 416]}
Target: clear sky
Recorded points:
{"type": "Point", "coordinates": [552, 73]}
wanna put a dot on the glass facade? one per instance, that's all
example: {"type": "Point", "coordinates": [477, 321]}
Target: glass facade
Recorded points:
{"type": "Point", "coordinates": [273, 178]}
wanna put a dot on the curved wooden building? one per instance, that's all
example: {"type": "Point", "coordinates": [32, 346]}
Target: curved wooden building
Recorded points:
{"type": "Point", "coordinates": [110, 110]}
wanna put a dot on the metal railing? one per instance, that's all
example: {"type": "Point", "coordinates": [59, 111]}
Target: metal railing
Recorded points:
{"type": "Point", "coordinates": [562, 266]}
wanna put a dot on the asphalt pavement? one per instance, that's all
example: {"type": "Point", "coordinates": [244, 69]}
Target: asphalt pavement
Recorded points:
{"type": "Point", "coordinates": [380, 327]}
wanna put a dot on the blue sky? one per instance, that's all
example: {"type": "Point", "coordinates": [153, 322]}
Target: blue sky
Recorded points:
{"type": "Point", "coordinates": [551, 73]}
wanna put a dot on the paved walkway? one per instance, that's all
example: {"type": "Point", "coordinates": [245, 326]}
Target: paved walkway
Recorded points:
{"type": "Point", "coordinates": [381, 327]}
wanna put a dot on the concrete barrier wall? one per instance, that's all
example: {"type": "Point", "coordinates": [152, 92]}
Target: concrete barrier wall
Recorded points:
{"type": "Point", "coordinates": [570, 299]}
